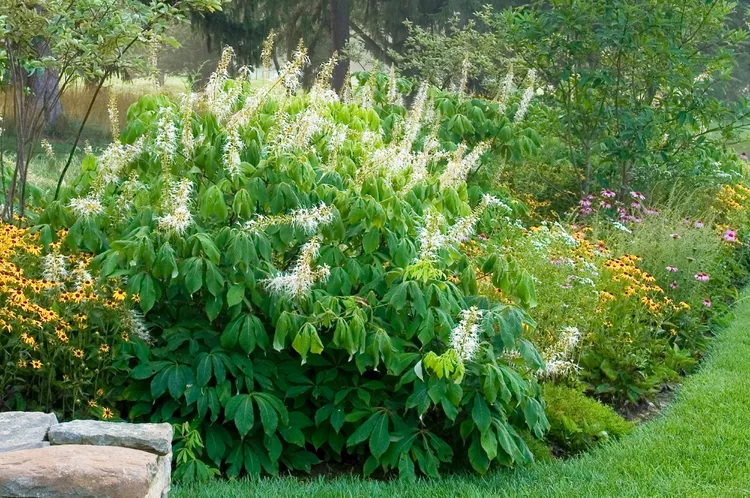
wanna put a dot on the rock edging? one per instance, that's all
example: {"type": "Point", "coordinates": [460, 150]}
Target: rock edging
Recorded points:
{"type": "Point", "coordinates": [41, 458]}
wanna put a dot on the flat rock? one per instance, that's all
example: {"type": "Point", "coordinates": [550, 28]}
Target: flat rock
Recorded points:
{"type": "Point", "coordinates": [80, 471]}
{"type": "Point", "coordinates": [154, 438]}
{"type": "Point", "coordinates": [24, 430]}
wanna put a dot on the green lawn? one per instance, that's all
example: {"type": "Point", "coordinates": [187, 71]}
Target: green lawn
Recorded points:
{"type": "Point", "coordinates": [699, 447]}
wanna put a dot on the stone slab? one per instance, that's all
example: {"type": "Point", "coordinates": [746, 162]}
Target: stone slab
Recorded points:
{"type": "Point", "coordinates": [154, 438]}
{"type": "Point", "coordinates": [24, 430]}
{"type": "Point", "coordinates": [80, 471]}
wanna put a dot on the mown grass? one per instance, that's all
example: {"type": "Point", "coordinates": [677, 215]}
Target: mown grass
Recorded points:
{"type": "Point", "coordinates": [699, 447]}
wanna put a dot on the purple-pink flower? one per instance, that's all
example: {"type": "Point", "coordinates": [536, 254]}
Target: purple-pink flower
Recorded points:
{"type": "Point", "coordinates": [675, 236]}
{"type": "Point", "coordinates": [707, 303]}
{"type": "Point", "coordinates": [730, 235]}
{"type": "Point", "coordinates": [673, 269]}
{"type": "Point", "coordinates": [637, 195]}
{"type": "Point", "coordinates": [698, 224]}
{"type": "Point", "coordinates": [673, 285]}
{"type": "Point", "coordinates": [703, 277]}
{"type": "Point", "coordinates": [608, 193]}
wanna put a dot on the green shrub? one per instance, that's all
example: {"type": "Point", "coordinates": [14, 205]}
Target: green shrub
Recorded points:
{"type": "Point", "coordinates": [301, 272]}
{"type": "Point", "coordinates": [577, 422]}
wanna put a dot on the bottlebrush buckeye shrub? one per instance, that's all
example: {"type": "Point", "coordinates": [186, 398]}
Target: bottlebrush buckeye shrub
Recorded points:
{"type": "Point", "coordinates": [304, 282]}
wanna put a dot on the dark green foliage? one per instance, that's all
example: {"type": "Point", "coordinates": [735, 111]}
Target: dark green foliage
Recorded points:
{"type": "Point", "coordinates": [358, 368]}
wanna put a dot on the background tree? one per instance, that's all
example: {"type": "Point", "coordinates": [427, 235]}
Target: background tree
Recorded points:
{"type": "Point", "coordinates": [65, 41]}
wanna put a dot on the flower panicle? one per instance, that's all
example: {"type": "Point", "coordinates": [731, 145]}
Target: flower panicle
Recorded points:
{"type": "Point", "coordinates": [309, 220]}
{"type": "Point", "coordinates": [464, 338]}
{"type": "Point", "coordinates": [303, 276]}
{"type": "Point", "coordinates": [460, 165]}
{"type": "Point", "coordinates": [177, 217]}
{"type": "Point", "coordinates": [463, 229]}
{"type": "Point", "coordinates": [528, 94]}
{"type": "Point", "coordinates": [267, 52]}
{"type": "Point", "coordinates": [186, 112]}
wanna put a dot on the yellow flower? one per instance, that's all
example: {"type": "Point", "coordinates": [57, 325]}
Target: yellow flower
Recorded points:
{"type": "Point", "coordinates": [107, 414]}
{"type": "Point", "coordinates": [22, 363]}
{"type": "Point", "coordinates": [78, 353]}
{"type": "Point", "coordinates": [104, 348]}
{"type": "Point", "coordinates": [36, 364]}
{"type": "Point", "coordinates": [100, 392]}
{"type": "Point", "coordinates": [125, 337]}
{"type": "Point", "coordinates": [92, 403]}
{"type": "Point", "coordinates": [119, 295]}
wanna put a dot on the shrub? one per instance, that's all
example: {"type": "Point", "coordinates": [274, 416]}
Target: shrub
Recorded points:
{"type": "Point", "coordinates": [65, 336]}
{"type": "Point", "coordinates": [577, 422]}
{"type": "Point", "coordinates": [301, 272]}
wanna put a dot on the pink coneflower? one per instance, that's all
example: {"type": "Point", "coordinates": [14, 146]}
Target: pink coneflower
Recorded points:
{"type": "Point", "coordinates": [566, 286]}
{"type": "Point", "coordinates": [703, 277]}
{"type": "Point", "coordinates": [635, 204]}
{"type": "Point", "coordinates": [482, 236]}
{"type": "Point", "coordinates": [651, 212]}
{"type": "Point", "coordinates": [675, 235]}
{"type": "Point", "coordinates": [743, 156]}
{"type": "Point", "coordinates": [673, 269]}
{"type": "Point", "coordinates": [605, 205]}
{"type": "Point", "coordinates": [673, 285]}
{"type": "Point", "coordinates": [636, 219]}
{"type": "Point", "coordinates": [608, 193]}
{"type": "Point", "coordinates": [730, 235]}
{"type": "Point", "coordinates": [707, 303]}
{"type": "Point", "coordinates": [698, 224]}
{"type": "Point", "coordinates": [637, 195]}
{"type": "Point", "coordinates": [584, 203]}
{"type": "Point", "coordinates": [687, 221]}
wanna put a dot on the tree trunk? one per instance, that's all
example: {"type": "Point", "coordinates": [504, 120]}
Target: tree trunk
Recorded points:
{"type": "Point", "coordinates": [44, 89]}
{"type": "Point", "coordinates": [339, 37]}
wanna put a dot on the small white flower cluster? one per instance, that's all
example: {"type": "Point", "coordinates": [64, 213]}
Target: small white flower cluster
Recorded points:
{"type": "Point", "coordinates": [132, 321]}
{"type": "Point", "coordinates": [53, 267]}
{"type": "Point", "coordinates": [464, 338]}
{"type": "Point", "coordinates": [232, 148]}
{"type": "Point", "coordinates": [292, 72]}
{"type": "Point", "coordinates": [214, 91]}
{"type": "Point", "coordinates": [113, 161]}
{"type": "Point", "coordinates": [86, 207]}
{"type": "Point", "coordinates": [464, 76]}
{"type": "Point", "coordinates": [186, 111]}
{"type": "Point", "coordinates": [394, 97]}
{"type": "Point", "coordinates": [460, 165]}
{"type": "Point", "coordinates": [309, 220]}
{"type": "Point", "coordinates": [166, 138]}
{"type": "Point", "coordinates": [48, 150]}
{"type": "Point", "coordinates": [528, 94]}
{"type": "Point", "coordinates": [178, 217]}
{"type": "Point", "coordinates": [619, 226]}
{"type": "Point", "coordinates": [431, 237]}
{"type": "Point", "coordinates": [505, 90]}
{"type": "Point", "coordinates": [463, 229]}
{"type": "Point", "coordinates": [81, 276]}
{"type": "Point", "coordinates": [302, 277]}
{"type": "Point", "coordinates": [558, 356]}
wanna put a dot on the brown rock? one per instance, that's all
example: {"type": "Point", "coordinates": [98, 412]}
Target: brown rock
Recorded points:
{"type": "Point", "coordinates": [80, 471]}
